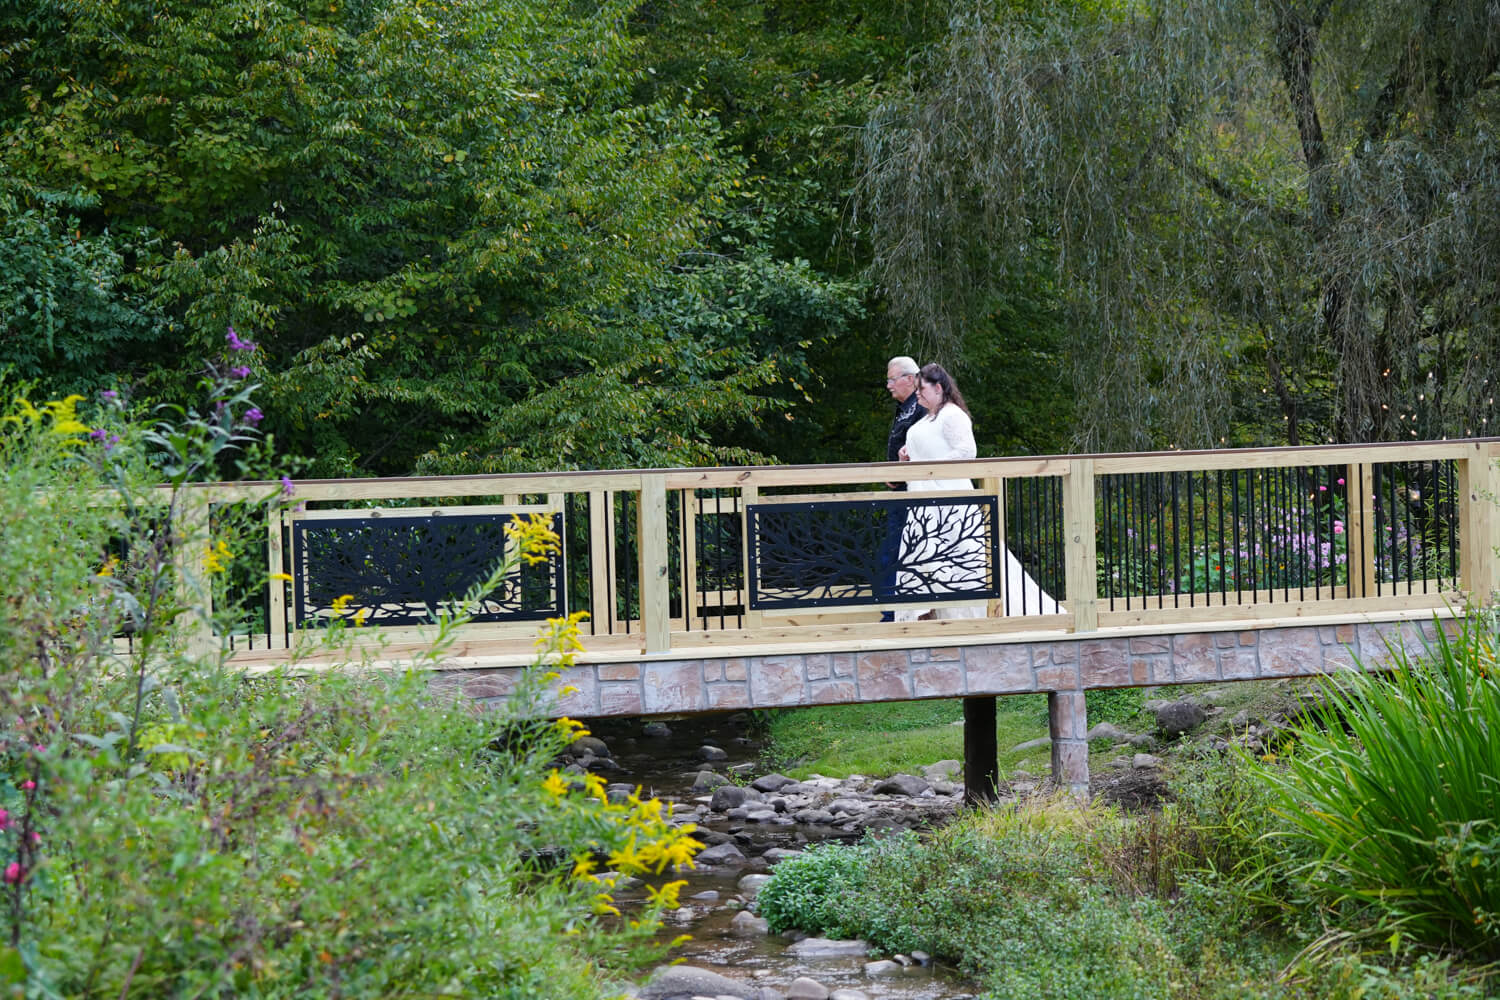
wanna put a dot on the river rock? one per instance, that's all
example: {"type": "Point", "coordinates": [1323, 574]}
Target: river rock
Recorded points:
{"type": "Point", "coordinates": [747, 924]}
{"type": "Point", "coordinates": [884, 967]}
{"type": "Point", "coordinates": [803, 988]}
{"type": "Point", "coordinates": [679, 982]}
{"type": "Point", "coordinates": [776, 855]}
{"type": "Point", "coordinates": [942, 770]}
{"type": "Point", "coordinates": [814, 947]}
{"type": "Point", "coordinates": [813, 817]}
{"type": "Point", "coordinates": [1144, 760]}
{"type": "Point", "coordinates": [592, 745]}
{"type": "Point", "coordinates": [656, 730]}
{"type": "Point", "coordinates": [722, 854]}
{"type": "Point", "coordinates": [902, 784]}
{"type": "Point", "coordinates": [708, 752]}
{"type": "Point", "coordinates": [848, 995]}
{"type": "Point", "coordinates": [1108, 731]}
{"type": "Point", "coordinates": [750, 885]}
{"type": "Point", "coordinates": [1178, 717]}
{"type": "Point", "coordinates": [727, 797]}
{"type": "Point", "coordinates": [708, 780]}
{"type": "Point", "coordinates": [772, 782]}
{"type": "Point", "coordinates": [760, 814]}
{"type": "Point", "coordinates": [921, 958]}
{"type": "Point", "coordinates": [847, 805]}
{"type": "Point", "coordinates": [1036, 744]}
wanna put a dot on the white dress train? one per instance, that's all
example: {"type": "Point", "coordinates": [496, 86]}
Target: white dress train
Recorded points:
{"type": "Point", "coordinates": [945, 545]}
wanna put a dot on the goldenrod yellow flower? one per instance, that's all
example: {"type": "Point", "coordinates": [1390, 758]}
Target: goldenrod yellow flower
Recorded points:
{"type": "Point", "coordinates": [627, 859]}
{"type": "Point", "coordinates": [583, 867]}
{"type": "Point", "coordinates": [666, 896]}
{"type": "Point", "coordinates": [593, 785]}
{"type": "Point", "coordinates": [216, 559]}
{"type": "Point", "coordinates": [572, 729]}
{"type": "Point", "coordinates": [340, 603]}
{"type": "Point", "coordinates": [534, 537]}
{"type": "Point", "coordinates": [555, 785]}
{"type": "Point", "coordinates": [604, 904]}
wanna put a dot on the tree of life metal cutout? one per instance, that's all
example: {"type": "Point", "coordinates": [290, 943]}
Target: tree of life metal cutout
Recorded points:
{"type": "Point", "coordinates": [894, 550]}
{"type": "Point", "coordinates": [400, 570]}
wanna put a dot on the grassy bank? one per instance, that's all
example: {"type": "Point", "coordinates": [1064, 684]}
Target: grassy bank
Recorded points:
{"type": "Point", "coordinates": [1359, 861]}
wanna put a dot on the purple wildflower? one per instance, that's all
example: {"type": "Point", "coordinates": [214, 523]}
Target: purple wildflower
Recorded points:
{"type": "Point", "coordinates": [254, 416]}
{"type": "Point", "coordinates": [110, 394]}
{"type": "Point", "coordinates": [287, 489]}
{"type": "Point", "coordinates": [240, 371]}
{"type": "Point", "coordinates": [236, 344]}
{"type": "Point", "coordinates": [98, 433]}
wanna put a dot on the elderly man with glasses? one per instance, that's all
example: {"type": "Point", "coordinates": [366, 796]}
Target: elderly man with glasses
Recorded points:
{"type": "Point", "coordinates": [901, 383]}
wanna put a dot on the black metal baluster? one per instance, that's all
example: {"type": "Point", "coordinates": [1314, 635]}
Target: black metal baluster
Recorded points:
{"type": "Point", "coordinates": [1452, 518]}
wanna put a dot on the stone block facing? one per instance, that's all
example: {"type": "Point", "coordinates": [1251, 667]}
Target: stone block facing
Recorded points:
{"type": "Point", "coordinates": [659, 687]}
{"type": "Point", "coordinates": [884, 676]}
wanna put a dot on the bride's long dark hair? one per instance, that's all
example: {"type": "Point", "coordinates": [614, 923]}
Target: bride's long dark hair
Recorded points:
{"type": "Point", "coordinates": [939, 376]}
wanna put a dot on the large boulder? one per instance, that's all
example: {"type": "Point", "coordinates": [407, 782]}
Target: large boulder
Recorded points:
{"type": "Point", "coordinates": [727, 797]}
{"type": "Point", "coordinates": [902, 784]}
{"type": "Point", "coordinates": [772, 782]}
{"type": "Point", "coordinates": [722, 855]}
{"type": "Point", "coordinates": [679, 982]}
{"type": "Point", "coordinates": [1177, 717]}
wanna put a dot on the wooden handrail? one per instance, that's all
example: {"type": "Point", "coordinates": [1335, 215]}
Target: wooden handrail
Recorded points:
{"type": "Point", "coordinates": [650, 620]}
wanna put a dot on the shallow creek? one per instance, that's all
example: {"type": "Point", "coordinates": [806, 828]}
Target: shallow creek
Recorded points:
{"type": "Point", "coordinates": [666, 766]}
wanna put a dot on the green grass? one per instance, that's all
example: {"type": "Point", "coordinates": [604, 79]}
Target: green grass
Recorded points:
{"type": "Point", "coordinates": [881, 739]}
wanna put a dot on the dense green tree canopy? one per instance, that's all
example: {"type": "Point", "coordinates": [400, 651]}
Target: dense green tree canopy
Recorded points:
{"type": "Point", "coordinates": [1268, 220]}
{"type": "Point", "coordinates": [792, 85]}
{"type": "Point", "coordinates": [439, 222]}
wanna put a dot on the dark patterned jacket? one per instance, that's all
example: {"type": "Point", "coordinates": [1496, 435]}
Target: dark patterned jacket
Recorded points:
{"type": "Point", "coordinates": [907, 413]}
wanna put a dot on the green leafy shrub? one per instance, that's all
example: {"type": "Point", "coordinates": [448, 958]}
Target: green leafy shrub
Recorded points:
{"type": "Point", "coordinates": [804, 891]}
{"type": "Point", "coordinates": [171, 827]}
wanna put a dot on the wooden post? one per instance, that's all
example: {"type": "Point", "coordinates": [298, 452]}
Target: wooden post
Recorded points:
{"type": "Point", "coordinates": [748, 496]}
{"type": "Point", "coordinates": [651, 531]}
{"type": "Point", "coordinates": [194, 585]}
{"type": "Point", "coordinates": [689, 555]}
{"type": "Point", "coordinates": [1479, 492]}
{"type": "Point", "coordinates": [1359, 528]}
{"type": "Point", "coordinates": [601, 552]}
{"type": "Point", "coordinates": [1082, 560]}
{"type": "Point", "coordinates": [996, 488]}
{"type": "Point", "coordinates": [981, 752]}
{"type": "Point", "coordinates": [275, 589]}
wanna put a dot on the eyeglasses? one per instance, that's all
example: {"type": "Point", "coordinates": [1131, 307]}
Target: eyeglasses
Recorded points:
{"type": "Point", "coordinates": [901, 376]}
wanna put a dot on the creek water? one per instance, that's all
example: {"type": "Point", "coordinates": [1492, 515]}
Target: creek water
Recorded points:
{"type": "Point", "coordinates": [666, 766]}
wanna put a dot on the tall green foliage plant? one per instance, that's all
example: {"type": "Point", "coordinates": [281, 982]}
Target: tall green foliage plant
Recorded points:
{"type": "Point", "coordinates": [1395, 785]}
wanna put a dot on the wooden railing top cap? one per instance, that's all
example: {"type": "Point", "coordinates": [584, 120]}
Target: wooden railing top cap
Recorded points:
{"type": "Point", "coordinates": [501, 478]}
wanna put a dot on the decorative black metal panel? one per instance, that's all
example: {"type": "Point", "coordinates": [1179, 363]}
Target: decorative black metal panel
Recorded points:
{"type": "Point", "coordinates": [893, 550]}
{"type": "Point", "coordinates": [400, 570]}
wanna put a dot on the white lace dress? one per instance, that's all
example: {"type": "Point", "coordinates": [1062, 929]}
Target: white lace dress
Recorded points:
{"type": "Point", "coordinates": [943, 548]}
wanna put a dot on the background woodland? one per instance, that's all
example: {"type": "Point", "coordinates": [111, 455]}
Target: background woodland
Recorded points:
{"type": "Point", "coordinates": [496, 235]}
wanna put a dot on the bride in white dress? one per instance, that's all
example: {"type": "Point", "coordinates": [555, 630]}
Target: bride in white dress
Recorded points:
{"type": "Point", "coordinates": [943, 547]}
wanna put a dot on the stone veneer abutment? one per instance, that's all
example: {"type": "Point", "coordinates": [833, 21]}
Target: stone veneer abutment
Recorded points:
{"type": "Point", "coordinates": [1064, 667]}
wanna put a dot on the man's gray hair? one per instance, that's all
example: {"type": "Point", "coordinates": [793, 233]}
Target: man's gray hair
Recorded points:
{"type": "Point", "coordinates": [908, 366]}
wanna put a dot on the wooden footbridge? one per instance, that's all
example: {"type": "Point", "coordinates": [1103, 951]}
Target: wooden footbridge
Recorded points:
{"type": "Point", "coordinates": [751, 588]}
